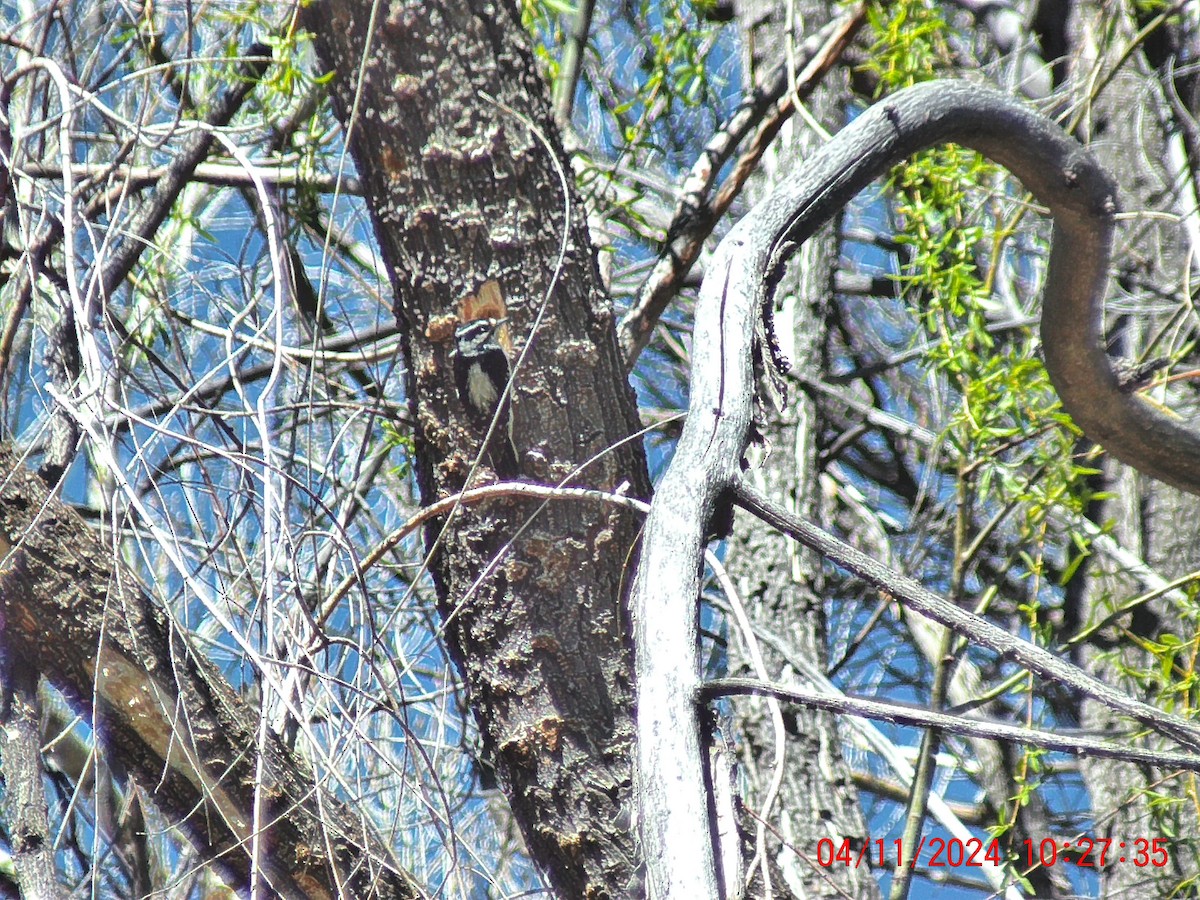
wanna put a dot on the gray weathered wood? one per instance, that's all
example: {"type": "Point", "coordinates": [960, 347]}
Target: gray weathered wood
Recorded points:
{"type": "Point", "coordinates": [673, 813]}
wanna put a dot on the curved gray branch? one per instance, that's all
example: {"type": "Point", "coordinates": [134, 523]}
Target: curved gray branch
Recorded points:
{"type": "Point", "coordinates": [673, 814]}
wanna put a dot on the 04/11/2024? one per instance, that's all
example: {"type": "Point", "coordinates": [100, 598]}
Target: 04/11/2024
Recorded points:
{"type": "Point", "coordinates": [942, 853]}
{"type": "Point", "coordinates": [1085, 852]}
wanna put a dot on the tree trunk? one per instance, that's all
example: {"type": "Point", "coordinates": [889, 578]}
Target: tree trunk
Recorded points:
{"type": "Point", "coordinates": [463, 189]}
{"type": "Point", "coordinates": [1155, 522]}
{"type": "Point", "coordinates": [778, 580]}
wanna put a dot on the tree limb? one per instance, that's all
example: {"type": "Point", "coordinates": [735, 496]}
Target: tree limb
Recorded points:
{"type": "Point", "coordinates": [913, 596]}
{"type": "Point", "coordinates": [970, 726]}
{"type": "Point", "coordinates": [762, 113]}
{"type": "Point", "coordinates": [673, 815]}
{"type": "Point", "coordinates": [26, 819]}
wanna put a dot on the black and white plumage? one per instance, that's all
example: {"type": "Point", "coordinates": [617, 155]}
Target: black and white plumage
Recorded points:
{"type": "Point", "coordinates": [481, 373]}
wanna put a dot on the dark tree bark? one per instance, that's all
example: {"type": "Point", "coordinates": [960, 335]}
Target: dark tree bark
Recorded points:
{"type": "Point", "coordinates": [24, 798]}
{"type": "Point", "coordinates": [461, 191]}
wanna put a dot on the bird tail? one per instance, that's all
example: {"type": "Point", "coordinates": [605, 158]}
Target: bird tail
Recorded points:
{"type": "Point", "coordinates": [503, 454]}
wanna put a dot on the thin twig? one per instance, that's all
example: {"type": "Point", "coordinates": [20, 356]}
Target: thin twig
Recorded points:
{"type": "Point", "coordinates": [901, 714]}
{"type": "Point", "coordinates": [140, 231]}
{"type": "Point", "coordinates": [764, 111]}
{"type": "Point", "coordinates": [919, 599]}
{"type": "Point", "coordinates": [218, 174]}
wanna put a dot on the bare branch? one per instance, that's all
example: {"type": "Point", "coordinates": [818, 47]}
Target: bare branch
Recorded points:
{"type": "Point", "coordinates": [913, 596]}
{"type": "Point", "coordinates": [764, 113]}
{"type": "Point", "coordinates": [178, 175]}
{"type": "Point", "coordinates": [572, 62]}
{"type": "Point", "coordinates": [673, 812]}
{"type": "Point", "coordinates": [899, 714]}
{"type": "Point", "coordinates": [27, 822]}
{"type": "Point", "coordinates": [216, 174]}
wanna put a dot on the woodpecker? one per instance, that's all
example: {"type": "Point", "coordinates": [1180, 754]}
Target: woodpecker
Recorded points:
{"type": "Point", "coordinates": [481, 373]}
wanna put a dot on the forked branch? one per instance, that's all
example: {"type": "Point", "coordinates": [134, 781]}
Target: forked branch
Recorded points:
{"type": "Point", "coordinates": [673, 813]}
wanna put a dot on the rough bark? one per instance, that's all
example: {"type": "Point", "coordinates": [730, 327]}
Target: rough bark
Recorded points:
{"type": "Point", "coordinates": [461, 191]}
{"type": "Point", "coordinates": [24, 798]}
{"type": "Point", "coordinates": [1154, 522]}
